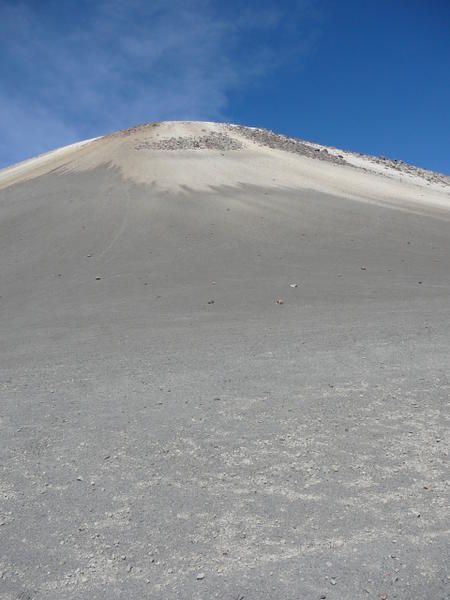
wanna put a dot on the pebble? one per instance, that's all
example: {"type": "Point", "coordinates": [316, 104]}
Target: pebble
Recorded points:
{"type": "Point", "coordinates": [200, 576]}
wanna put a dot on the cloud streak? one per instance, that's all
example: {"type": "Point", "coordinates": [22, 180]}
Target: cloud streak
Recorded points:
{"type": "Point", "coordinates": [79, 69]}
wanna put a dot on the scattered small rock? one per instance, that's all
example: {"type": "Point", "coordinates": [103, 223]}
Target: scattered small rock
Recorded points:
{"type": "Point", "coordinates": [280, 301]}
{"type": "Point", "coordinates": [97, 278]}
{"type": "Point", "coordinates": [293, 285]}
{"type": "Point", "coordinates": [211, 141]}
{"type": "Point", "coordinates": [211, 301]}
{"type": "Point", "coordinates": [200, 576]}
{"type": "Point", "coordinates": [270, 139]}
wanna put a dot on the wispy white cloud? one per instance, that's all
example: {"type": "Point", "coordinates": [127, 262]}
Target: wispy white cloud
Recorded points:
{"type": "Point", "coordinates": [74, 70]}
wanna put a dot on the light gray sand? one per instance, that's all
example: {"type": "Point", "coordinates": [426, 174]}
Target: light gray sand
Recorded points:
{"type": "Point", "coordinates": [168, 431]}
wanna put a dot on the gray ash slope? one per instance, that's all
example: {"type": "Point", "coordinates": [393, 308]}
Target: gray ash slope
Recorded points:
{"type": "Point", "coordinates": [168, 430]}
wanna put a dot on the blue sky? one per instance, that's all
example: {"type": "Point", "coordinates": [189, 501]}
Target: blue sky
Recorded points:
{"type": "Point", "coordinates": [367, 75]}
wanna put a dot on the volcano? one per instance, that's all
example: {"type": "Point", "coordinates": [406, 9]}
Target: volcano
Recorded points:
{"type": "Point", "coordinates": [223, 370]}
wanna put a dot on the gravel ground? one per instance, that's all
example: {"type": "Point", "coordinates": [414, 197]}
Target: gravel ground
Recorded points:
{"type": "Point", "coordinates": [268, 138]}
{"type": "Point", "coordinates": [240, 393]}
{"type": "Point", "coordinates": [403, 167]}
{"type": "Point", "coordinates": [211, 141]}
